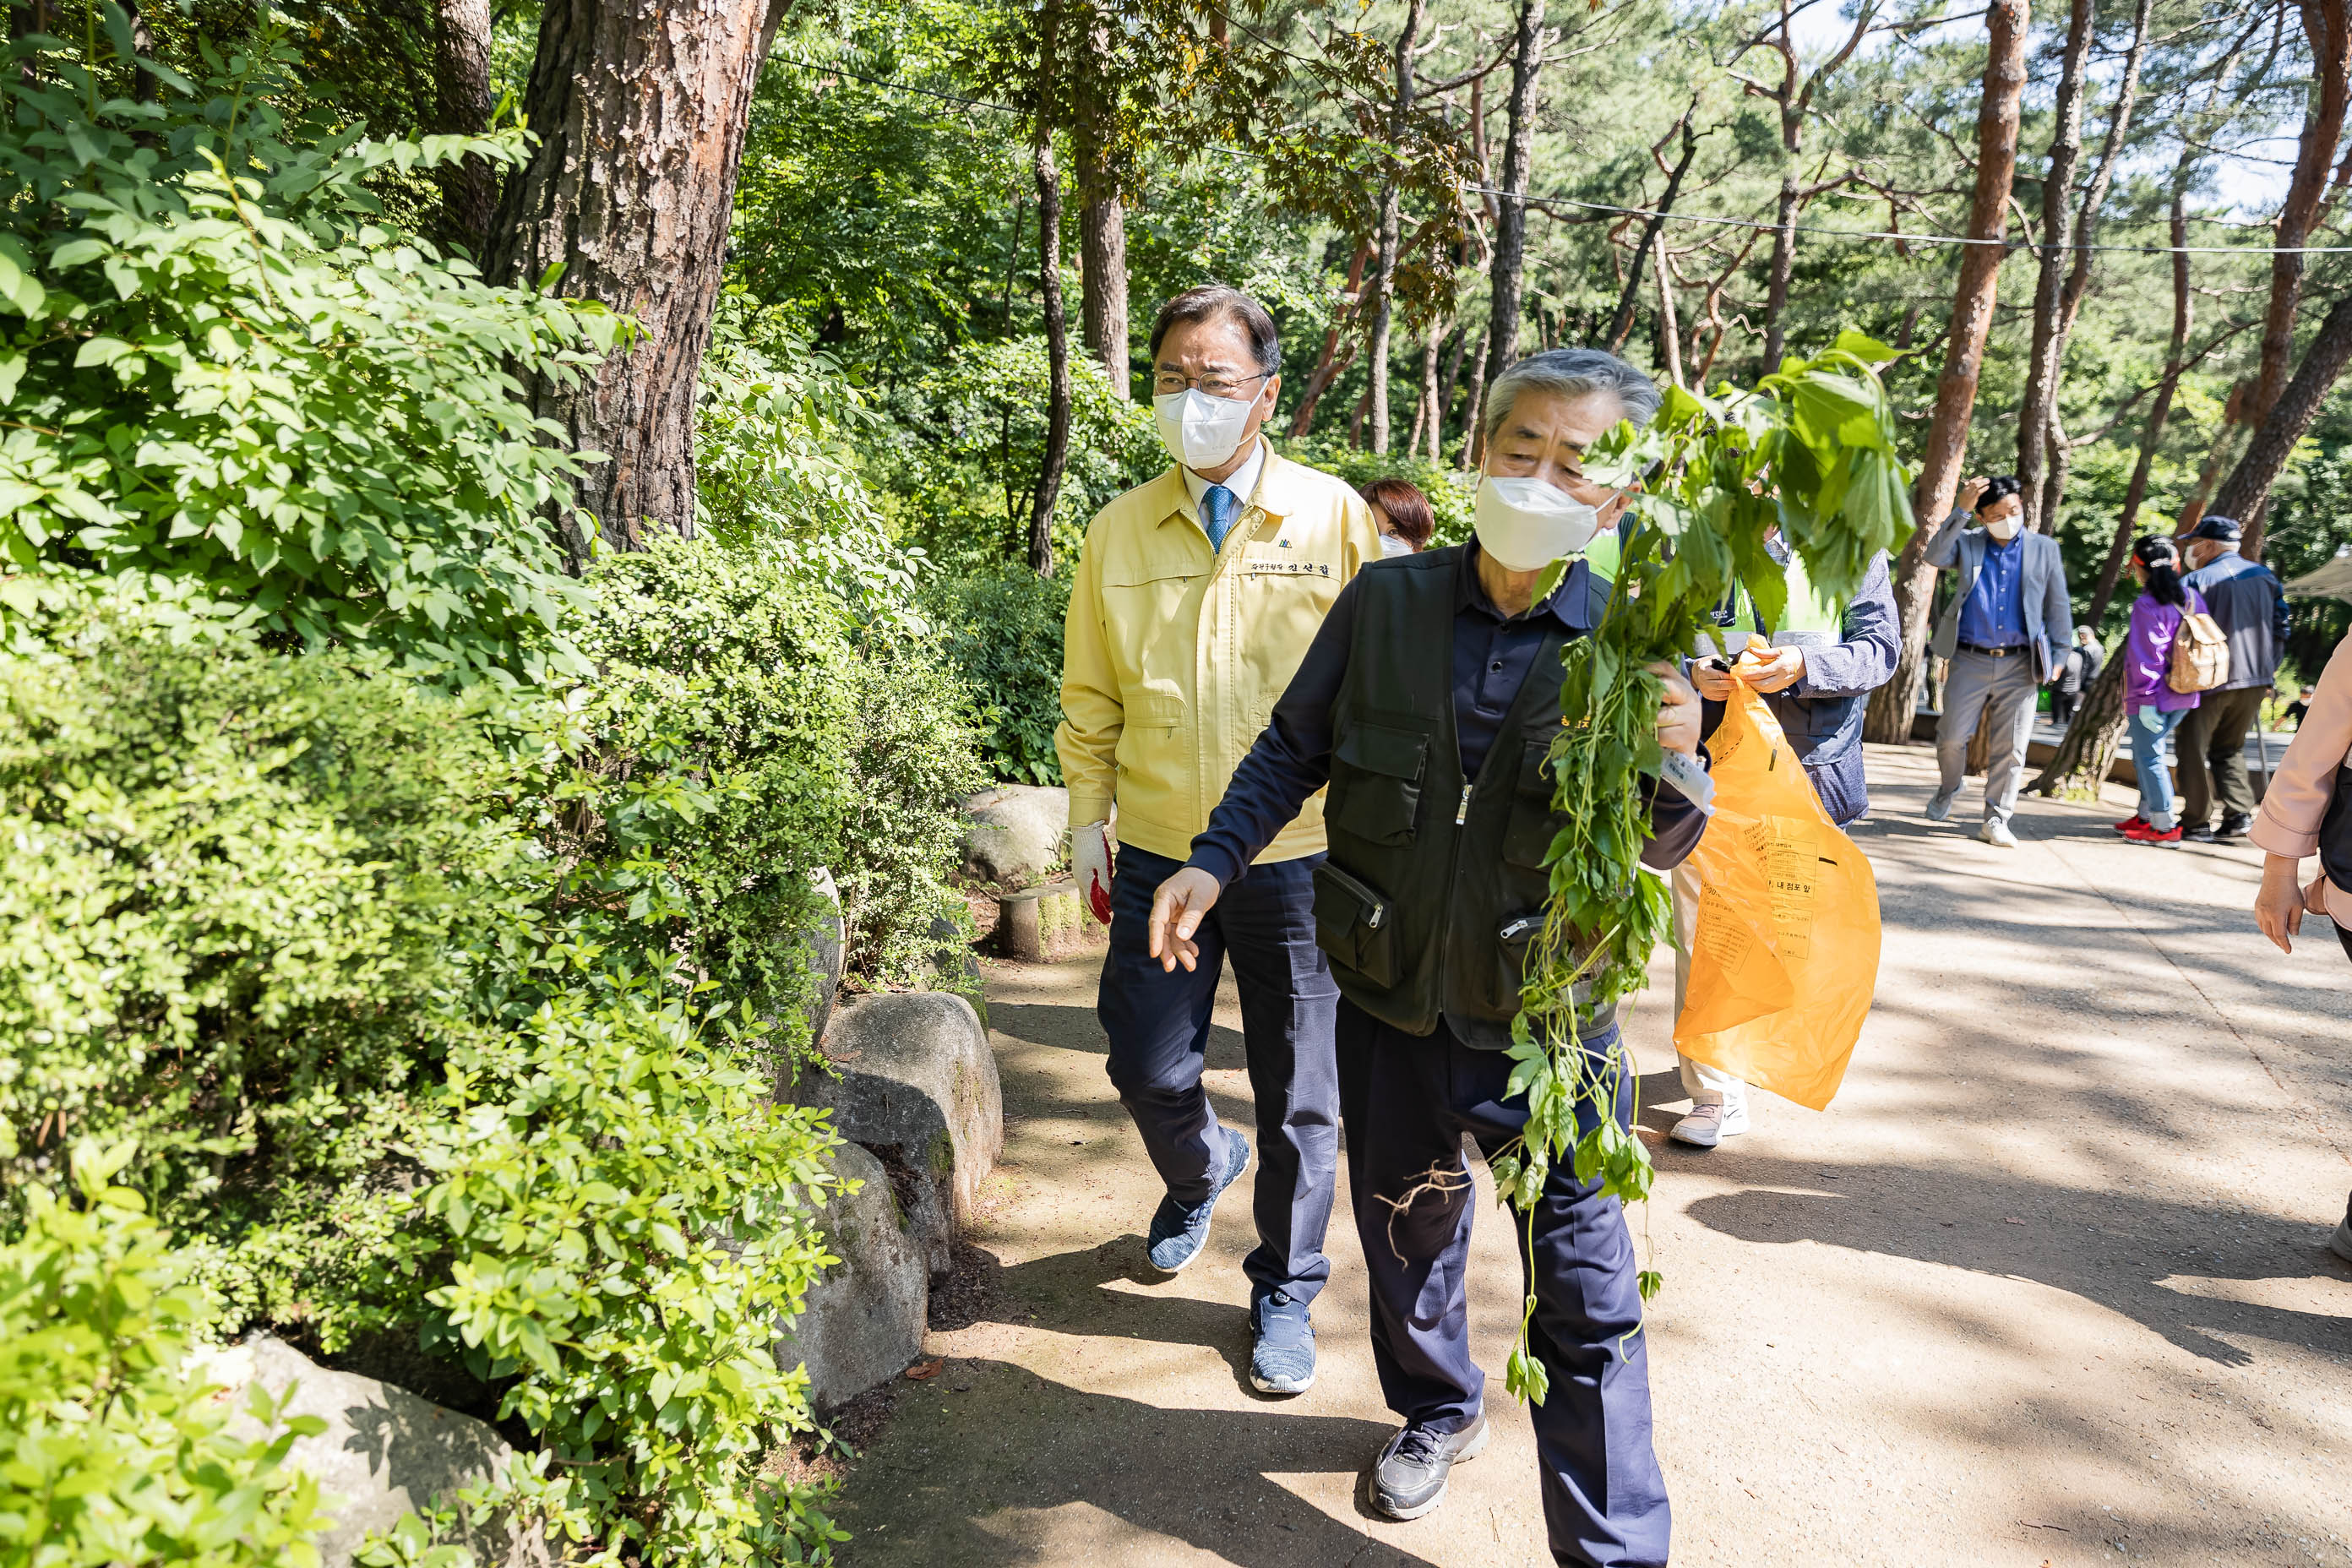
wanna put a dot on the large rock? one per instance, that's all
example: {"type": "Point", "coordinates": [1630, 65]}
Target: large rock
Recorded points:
{"type": "Point", "coordinates": [1014, 834]}
{"type": "Point", "coordinates": [863, 1322]}
{"type": "Point", "coordinates": [914, 1080]}
{"type": "Point", "coordinates": [384, 1453]}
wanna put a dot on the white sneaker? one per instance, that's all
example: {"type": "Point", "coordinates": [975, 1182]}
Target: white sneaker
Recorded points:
{"type": "Point", "coordinates": [1998, 833]}
{"type": "Point", "coordinates": [1708, 1125]}
{"type": "Point", "coordinates": [1940, 804]}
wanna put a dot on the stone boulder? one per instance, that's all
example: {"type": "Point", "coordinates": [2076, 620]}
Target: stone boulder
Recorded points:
{"type": "Point", "coordinates": [914, 1080]}
{"type": "Point", "coordinates": [1014, 834]}
{"type": "Point", "coordinates": [384, 1453]}
{"type": "Point", "coordinates": [863, 1322]}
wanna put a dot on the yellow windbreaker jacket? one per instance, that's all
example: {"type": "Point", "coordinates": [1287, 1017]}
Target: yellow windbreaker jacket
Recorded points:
{"type": "Point", "coordinates": [1175, 655]}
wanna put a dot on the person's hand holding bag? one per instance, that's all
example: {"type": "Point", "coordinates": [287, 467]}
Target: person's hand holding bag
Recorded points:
{"type": "Point", "coordinates": [1090, 864]}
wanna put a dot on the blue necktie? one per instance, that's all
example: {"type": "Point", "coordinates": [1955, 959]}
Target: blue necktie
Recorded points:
{"type": "Point", "coordinates": [1219, 507]}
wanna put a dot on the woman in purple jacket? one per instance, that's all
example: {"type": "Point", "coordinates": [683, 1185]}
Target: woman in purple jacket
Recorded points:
{"type": "Point", "coordinates": [2153, 708]}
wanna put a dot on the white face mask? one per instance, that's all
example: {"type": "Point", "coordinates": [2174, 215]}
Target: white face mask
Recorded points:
{"type": "Point", "coordinates": [1526, 524]}
{"type": "Point", "coordinates": [2005, 529]}
{"type": "Point", "coordinates": [1391, 545]}
{"type": "Point", "coordinates": [1201, 431]}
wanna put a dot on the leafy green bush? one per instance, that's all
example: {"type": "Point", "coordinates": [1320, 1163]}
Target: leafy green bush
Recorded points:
{"type": "Point", "coordinates": [109, 1452]}
{"type": "Point", "coordinates": [1002, 632]}
{"type": "Point", "coordinates": [958, 460]}
{"type": "Point", "coordinates": [238, 890]}
{"type": "Point", "coordinates": [219, 369]}
{"type": "Point", "coordinates": [917, 757]}
{"type": "Point", "coordinates": [1449, 497]}
{"type": "Point", "coordinates": [624, 1219]}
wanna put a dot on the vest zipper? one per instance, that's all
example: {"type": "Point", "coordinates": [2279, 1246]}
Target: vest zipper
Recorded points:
{"type": "Point", "coordinates": [1462, 812]}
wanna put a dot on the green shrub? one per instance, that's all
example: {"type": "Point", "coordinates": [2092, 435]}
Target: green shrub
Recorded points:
{"type": "Point", "coordinates": [1002, 632]}
{"type": "Point", "coordinates": [1449, 497]}
{"type": "Point", "coordinates": [249, 385]}
{"type": "Point", "coordinates": [623, 1219]}
{"type": "Point", "coordinates": [917, 757]}
{"type": "Point", "coordinates": [110, 1451]}
{"type": "Point", "coordinates": [238, 893]}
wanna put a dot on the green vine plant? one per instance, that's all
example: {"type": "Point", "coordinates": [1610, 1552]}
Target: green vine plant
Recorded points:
{"type": "Point", "coordinates": [1811, 450]}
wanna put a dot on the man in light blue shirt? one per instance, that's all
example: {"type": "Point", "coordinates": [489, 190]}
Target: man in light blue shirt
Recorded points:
{"type": "Point", "coordinates": [2003, 633]}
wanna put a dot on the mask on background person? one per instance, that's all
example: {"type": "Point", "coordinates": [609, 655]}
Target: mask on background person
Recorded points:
{"type": "Point", "coordinates": [1391, 545]}
{"type": "Point", "coordinates": [1529, 524]}
{"type": "Point", "coordinates": [2005, 529]}
{"type": "Point", "coordinates": [1201, 431]}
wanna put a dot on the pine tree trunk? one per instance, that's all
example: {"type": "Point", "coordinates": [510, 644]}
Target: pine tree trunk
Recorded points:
{"type": "Point", "coordinates": [1784, 262]}
{"type": "Point", "coordinates": [2247, 491]}
{"type": "Point", "coordinates": [1892, 704]}
{"type": "Point", "coordinates": [1102, 220]}
{"type": "Point", "coordinates": [1472, 415]}
{"type": "Point", "coordinates": [641, 109]}
{"type": "Point", "coordinates": [2086, 753]}
{"type": "Point", "coordinates": [461, 66]}
{"type": "Point", "coordinates": [1392, 233]}
{"type": "Point", "coordinates": [1426, 414]}
{"type": "Point", "coordinates": [1670, 331]}
{"type": "Point", "coordinates": [1511, 214]}
{"type": "Point", "coordinates": [1334, 360]}
{"type": "Point", "coordinates": [1445, 388]}
{"type": "Point", "coordinates": [2034, 414]}
{"type": "Point", "coordinates": [1057, 353]}
{"type": "Point", "coordinates": [2323, 26]}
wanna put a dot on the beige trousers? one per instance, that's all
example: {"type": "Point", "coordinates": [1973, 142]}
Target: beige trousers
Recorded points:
{"type": "Point", "coordinates": [1706, 1085]}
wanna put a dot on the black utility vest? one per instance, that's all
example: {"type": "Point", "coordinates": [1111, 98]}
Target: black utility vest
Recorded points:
{"type": "Point", "coordinates": [1434, 887]}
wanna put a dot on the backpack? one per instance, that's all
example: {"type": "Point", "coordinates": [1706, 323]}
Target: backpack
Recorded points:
{"type": "Point", "coordinates": [2201, 654]}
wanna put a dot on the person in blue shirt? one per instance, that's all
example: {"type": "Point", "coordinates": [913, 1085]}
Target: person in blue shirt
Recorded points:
{"type": "Point", "coordinates": [2004, 633]}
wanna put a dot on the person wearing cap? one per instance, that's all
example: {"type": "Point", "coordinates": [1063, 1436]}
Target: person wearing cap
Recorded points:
{"type": "Point", "coordinates": [2002, 632]}
{"type": "Point", "coordinates": [1429, 704]}
{"type": "Point", "coordinates": [2247, 601]}
{"type": "Point", "coordinates": [1195, 597]}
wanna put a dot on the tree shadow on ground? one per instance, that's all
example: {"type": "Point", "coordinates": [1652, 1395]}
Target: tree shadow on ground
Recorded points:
{"type": "Point", "coordinates": [1996, 1225]}
{"type": "Point", "coordinates": [1063, 1027]}
{"type": "Point", "coordinates": [1021, 1449]}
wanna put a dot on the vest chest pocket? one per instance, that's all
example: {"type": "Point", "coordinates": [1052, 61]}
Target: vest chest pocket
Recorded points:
{"type": "Point", "coordinates": [1527, 840]}
{"type": "Point", "coordinates": [1376, 776]}
{"type": "Point", "coordinates": [1352, 924]}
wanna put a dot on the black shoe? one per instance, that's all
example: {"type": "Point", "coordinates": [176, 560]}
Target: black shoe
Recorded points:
{"type": "Point", "coordinates": [2200, 834]}
{"type": "Point", "coordinates": [2233, 825]}
{"type": "Point", "coordinates": [1408, 1477]}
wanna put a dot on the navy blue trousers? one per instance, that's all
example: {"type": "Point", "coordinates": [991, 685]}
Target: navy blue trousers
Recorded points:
{"type": "Point", "coordinates": [1407, 1100]}
{"type": "Point", "coordinates": [1158, 1027]}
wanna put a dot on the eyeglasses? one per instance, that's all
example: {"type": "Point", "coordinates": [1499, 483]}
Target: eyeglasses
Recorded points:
{"type": "Point", "coordinates": [1169, 383]}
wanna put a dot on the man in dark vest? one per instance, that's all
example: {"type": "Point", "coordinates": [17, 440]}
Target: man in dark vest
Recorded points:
{"type": "Point", "coordinates": [1440, 814]}
{"type": "Point", "coordinates": [2245, 599]}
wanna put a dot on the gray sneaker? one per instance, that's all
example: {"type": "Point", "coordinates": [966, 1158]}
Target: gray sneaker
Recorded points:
{"type": "Point", "coordinates": [1940, 804]}
{"type": "Point", "coordinates": [1283, 1358]}
{"type": "Point", "coordinates": [1708, 1125]}
{"type": "Point", "coordinates": [1408, 1477]}
{"type": "Point", "coordinates": [1996, 831]}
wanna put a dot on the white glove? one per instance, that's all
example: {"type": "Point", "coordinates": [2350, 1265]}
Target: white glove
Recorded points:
{"type": "Point", "coordinates": [1090, 857]}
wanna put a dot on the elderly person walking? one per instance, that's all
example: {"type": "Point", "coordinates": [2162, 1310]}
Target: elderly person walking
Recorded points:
{"type": "Point", "coordinates": [2152, 707]}
{"type": "Point", "coordinates": [2002, 633]}
{"type": "Point", "coordinates": [1440, 810]}
{"type": "Point", "coordinates": [2307, 811]}
{"type": "Point", "coordinates": [1195, 600]}
{"type": "Point", "coordinates": [2247, 601]}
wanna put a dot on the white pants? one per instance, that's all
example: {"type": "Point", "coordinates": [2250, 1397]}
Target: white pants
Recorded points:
{"type": "Point", "coordinates": [1706, 1085]}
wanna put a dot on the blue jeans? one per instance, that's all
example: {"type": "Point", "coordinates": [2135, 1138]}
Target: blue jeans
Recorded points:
{"type": "Point", "coordinates": [1408, 1099]}
{"type": "Point", "coordinates": [1158, 1022]}
{"type": "Point", "coordinates": [2157, 798]}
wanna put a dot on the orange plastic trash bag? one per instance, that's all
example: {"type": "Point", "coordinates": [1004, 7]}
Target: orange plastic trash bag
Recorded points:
{"type": "Point", "coordinates": [1785, 954]}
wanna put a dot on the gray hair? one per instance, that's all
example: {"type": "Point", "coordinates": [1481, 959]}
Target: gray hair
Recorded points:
{"type": "Point", "coordinates": [1573, 372]}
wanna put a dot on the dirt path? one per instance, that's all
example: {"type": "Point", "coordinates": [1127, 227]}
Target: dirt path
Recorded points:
{"type": "Point", "coordinates": [2047, 1284]}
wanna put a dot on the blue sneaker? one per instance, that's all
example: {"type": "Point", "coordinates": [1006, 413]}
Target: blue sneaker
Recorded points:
{"type": "Point", "coordinates": [1178, 1234]}
{"type": "Point", "coordinates": [1283, 1360]}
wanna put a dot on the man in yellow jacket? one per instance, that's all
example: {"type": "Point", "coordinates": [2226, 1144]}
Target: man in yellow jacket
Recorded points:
{"type": "Point", "coordinates": [1195, 601]}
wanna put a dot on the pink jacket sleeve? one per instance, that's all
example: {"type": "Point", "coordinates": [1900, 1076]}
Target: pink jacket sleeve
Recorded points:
{"type": "Point", "coordinates": [2288, 822]}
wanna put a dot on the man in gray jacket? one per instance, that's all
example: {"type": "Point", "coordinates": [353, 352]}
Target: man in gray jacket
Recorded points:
{"type": "Point", "coordinates": [2003, 632]}
{"type": "Point", "coordinates": [2246, 600]}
